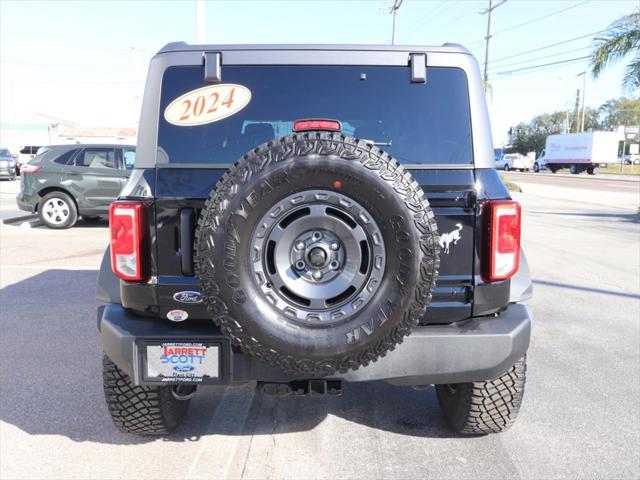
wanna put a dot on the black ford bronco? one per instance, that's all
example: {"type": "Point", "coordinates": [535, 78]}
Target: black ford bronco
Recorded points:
{"type": "Point", "coordinates": [307, 216]}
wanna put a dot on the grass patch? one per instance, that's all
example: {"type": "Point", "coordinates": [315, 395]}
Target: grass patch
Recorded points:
{"type": "Point", "coordinates": [626, 170]}
{"type": "Point", "coordinates": [512, 187]}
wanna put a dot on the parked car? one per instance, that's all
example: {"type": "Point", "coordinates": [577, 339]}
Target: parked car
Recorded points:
{"type": "Point", "coordinates": [632, 159]}
{"type": "Point", "coordinates": [26, 153]}
{"type": "Point", "coordinates": [524, 163]}
{"type": "Point", "coordinates": [7, 164]}
{"type": "Point", "coordinates": [504, 161]}
{"type": "Point", "coordinates": [271, 245]}
{"type": "Point", "coordinates": [509, 160]}
{"type": "Point", "coordinates": [67, 181]}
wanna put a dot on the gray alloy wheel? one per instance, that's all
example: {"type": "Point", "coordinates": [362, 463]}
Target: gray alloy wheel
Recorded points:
{"type": "Point", "coordinates": [314, 253]}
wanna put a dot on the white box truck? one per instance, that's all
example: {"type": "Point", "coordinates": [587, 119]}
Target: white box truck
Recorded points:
{"type": "Point", "coordinates": [578, 152]}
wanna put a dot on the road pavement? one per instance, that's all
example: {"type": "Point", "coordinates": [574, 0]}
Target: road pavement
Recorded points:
{"type": "Point", "coordinates": [580, 417]}
{"type": "Point", "coordinates": [594, 190]}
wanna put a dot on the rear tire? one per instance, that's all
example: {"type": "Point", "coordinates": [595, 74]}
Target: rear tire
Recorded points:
{"type": "Point", "coordinates": [592, 170]}
{"type": "Point", "coordinates": [58, 210]}
{"type": "Point", "coordinates": [140, 409]}
{"type": "Point", "coordinates": [480, 408]}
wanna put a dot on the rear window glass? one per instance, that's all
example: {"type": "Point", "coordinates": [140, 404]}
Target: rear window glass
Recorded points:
{"type": "Point", "coordinates": [29, 150]}
{"type": "Point", "coordinates": [65, 157]}
{"type": "Point", "coordinates": [417, 123]}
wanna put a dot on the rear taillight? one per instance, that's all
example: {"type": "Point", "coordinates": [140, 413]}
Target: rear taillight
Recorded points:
{"type": "Point", "coordinates": [127, 224]}
{"type": "Point", "coordinates": [503, 240]}
{"type": "Point", "coordinates": [26, 168]}
{"type": "Point", "coordinates": [317, 124]}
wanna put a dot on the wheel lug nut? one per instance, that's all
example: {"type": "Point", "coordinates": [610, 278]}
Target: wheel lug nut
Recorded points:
{"type": "Point", "coordinates": [300, 265]}
{"type": "Point", "coordinates": [317, 275]}
{"type": "Point", "coordinates": [300, 246]}
{"type": "Point", "coordinates": [316, 236]}
{"type": "Point", "coordinates": [333, 265]}
{"type": "Point", "coordinates": [335, 246]}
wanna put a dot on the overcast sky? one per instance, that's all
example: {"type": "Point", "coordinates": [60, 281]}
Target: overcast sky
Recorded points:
{"type": "Point", "coordinates": [86, 61]}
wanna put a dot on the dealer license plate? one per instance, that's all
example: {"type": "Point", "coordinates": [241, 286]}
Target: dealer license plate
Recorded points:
{"type": "Point", "coordinates": [182, 362]}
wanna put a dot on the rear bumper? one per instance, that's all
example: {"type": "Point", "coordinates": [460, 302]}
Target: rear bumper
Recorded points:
{"type": "Point", "coordinates": [473, 350]}
{"type": "Point", "coordinates": [27, 202]}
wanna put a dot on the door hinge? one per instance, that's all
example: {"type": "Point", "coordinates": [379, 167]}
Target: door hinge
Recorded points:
{"type": "Point", "coordinates": [418, 63]}
{"type": "Point", "coordinates": [212, 67]}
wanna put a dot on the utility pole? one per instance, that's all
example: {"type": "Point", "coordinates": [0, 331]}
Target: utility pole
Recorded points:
{"type": "Point", "coordinates": [201, 21]}
{"type": "Point", "coordinates": [577, 111]}
{"type": "Point", "coordinates": [488, 11]}
{"type": "Point", "coordinates": [584, 91]}
{"type": "Point", "coordinates": [394, 12]}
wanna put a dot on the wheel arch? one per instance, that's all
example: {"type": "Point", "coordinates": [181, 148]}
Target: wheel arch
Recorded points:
{"type": "Point", "coordinates": [47, 190]}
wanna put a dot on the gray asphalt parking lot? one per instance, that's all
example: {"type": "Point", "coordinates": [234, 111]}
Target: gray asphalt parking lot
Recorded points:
{"type": "Point", "coordinates": [580, 418]}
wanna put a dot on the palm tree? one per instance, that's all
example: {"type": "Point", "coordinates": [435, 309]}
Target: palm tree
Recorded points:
{"type": "Point", "coordinates": [621, 39]}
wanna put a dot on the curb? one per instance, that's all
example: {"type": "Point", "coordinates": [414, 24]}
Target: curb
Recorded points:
{"type": "Point", "coordinates": [22, 218]}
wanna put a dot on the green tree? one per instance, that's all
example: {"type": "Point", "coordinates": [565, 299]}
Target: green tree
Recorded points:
{"type": "Point", "coordinates": [532, 136]}
{"type": "Point", "coordinates": [621, 39]}
{"type": "Point", "coordinates": [619, 111]}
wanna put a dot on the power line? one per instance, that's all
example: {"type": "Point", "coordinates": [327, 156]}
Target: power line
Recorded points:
{"type": "Point", "coordinates": [546, 46]}
{"type": "Point", "coordinates": [497, 67]}
{"type": "Point", "coordinates": [541, 18]}
{"type": "Point", "coordinates": [569, 60]}
{"type": "Point", "coordinates": [430, 15]}
{"type": "Point", "coordinates": [455, 19]}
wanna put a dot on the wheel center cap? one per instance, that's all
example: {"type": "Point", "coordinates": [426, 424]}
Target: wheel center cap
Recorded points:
{"type": "Point", "coordinates": [317, 257]}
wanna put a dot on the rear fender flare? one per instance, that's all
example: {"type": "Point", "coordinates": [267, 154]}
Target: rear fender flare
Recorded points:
{"type": "Point", "coordinates": [521, 287]}
{"type": "Point", "coordinates": [108, 286]}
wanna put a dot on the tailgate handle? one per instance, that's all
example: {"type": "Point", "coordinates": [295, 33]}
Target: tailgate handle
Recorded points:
{"type": "Point", "coordinates": [186, 240]}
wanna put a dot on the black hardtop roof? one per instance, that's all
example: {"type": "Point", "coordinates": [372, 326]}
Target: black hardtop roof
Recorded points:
{"type": "Point", "coordinates": [444, 48]}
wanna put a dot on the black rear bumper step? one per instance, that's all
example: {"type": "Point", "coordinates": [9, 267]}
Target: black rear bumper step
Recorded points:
{"type": "Point", "coordinates": [473, 350]}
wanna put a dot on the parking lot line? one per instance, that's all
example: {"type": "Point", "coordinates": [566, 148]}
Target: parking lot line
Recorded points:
{"type": "Point", "coordinates": [216, 452]}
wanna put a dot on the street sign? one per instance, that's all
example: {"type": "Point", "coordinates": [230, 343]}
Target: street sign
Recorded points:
{"type": "Point", "coordinates": [632, 132]}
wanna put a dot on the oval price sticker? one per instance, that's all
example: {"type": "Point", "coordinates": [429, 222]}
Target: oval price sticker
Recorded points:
{"type": "Point", "coordinates": [207, 104]}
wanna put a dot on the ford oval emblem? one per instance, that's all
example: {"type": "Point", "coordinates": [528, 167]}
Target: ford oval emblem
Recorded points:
{"type": "Point", "coordinates": [188, 297]}
{"type": "Point", "coordinates": [183, 368]}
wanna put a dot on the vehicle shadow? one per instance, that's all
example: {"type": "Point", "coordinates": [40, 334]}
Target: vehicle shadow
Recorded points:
{"type": "Point", "coordinates": [400, 410]}
{"type": "Point", "coordinates": [35, 223]}
{"type": "Point", "coordinates": [51, 384]}
{"type": "Point", "coordinates": [586, 289]}
{"type": "Point", "coordinates": [624, 217]}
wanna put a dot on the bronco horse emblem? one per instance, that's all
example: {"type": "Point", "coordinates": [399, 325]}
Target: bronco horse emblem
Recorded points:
{"type": "Point", "coordinates": [447, 238]}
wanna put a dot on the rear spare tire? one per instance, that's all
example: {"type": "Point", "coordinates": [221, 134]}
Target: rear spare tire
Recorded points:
{"type": "Point", "coordinates": [317, 253]}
